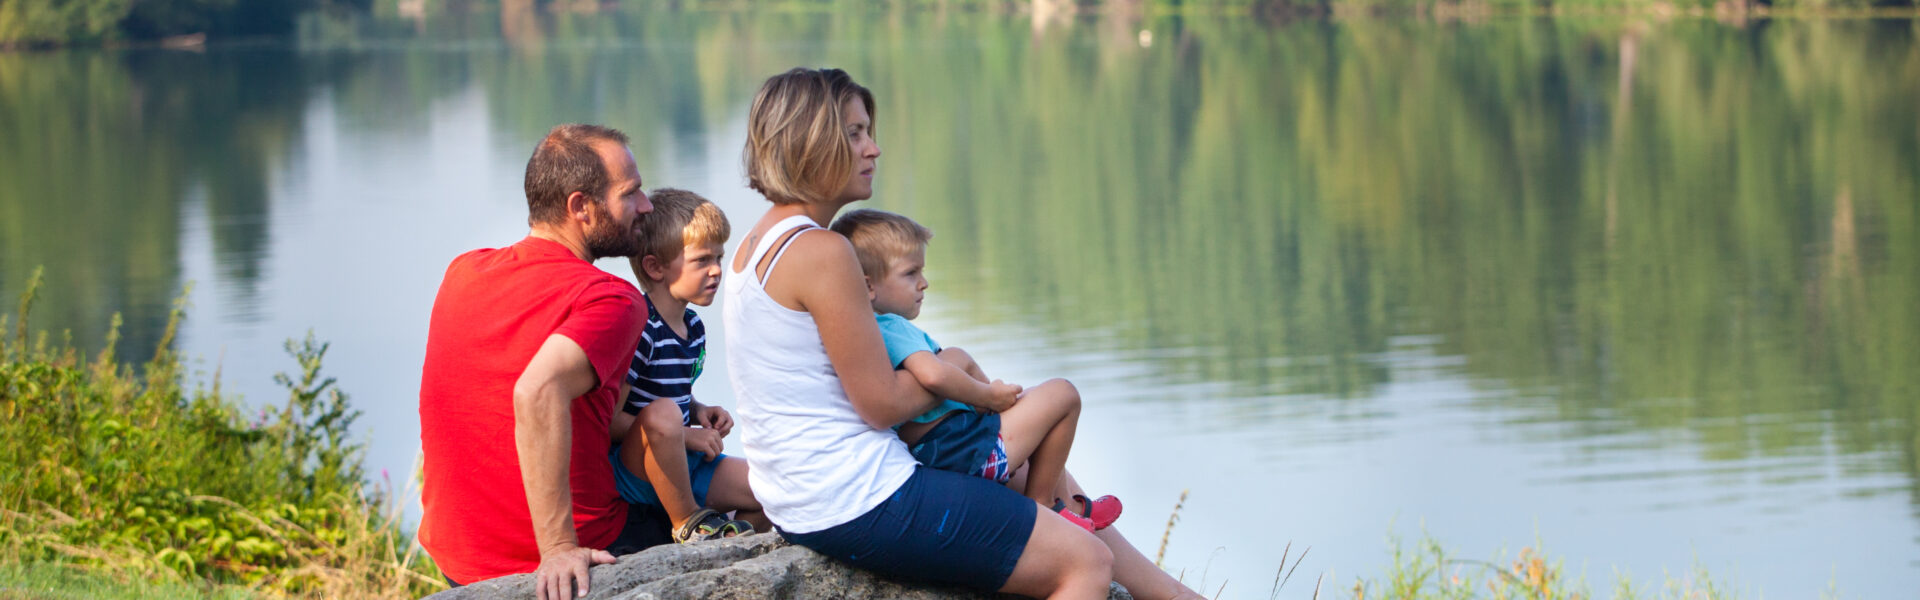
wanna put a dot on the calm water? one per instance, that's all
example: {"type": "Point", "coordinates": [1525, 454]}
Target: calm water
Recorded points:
{"type": "Point", "coordinates": [1642, 291]}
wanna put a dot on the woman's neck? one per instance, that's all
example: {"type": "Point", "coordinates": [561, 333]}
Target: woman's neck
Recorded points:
{"type": "Point", "coordinates": [821, 213]}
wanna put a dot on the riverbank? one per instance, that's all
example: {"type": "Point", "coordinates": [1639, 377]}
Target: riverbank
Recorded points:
{"type": "Point", "coordinates": [128, 485]}
{"type": "Point", "coordinates": [123, 473]}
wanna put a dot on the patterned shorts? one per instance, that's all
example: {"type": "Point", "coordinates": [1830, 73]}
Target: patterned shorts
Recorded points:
{"type": "Point", "coordinates": [996, 466]}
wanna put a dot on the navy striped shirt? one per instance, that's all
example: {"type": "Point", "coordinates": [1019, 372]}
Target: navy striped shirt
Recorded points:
{"type": "Point", "coordinates": [665, 365]}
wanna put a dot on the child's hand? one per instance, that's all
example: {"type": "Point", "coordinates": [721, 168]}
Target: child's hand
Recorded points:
{"type": "Point", "coordinates": [1003, 395]}
{"type": "Point", "coordinates": [705, 441]}
{"type": "Point", "coordinates": [715, 418]}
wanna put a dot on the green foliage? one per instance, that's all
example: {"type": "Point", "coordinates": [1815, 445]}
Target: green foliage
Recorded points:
{"type": "Point", "coordinates": [128, 472]}
{"type": "Point", "coordinates": [28, 22]}
{"type": "Point", "coordinates": [61, 581]}
{"type": "Point", "coordinates": [47, 22]}
{"type": "Point", "coordinates": [1429, 572]}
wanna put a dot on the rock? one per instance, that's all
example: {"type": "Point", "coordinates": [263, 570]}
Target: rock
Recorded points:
{"type": "Point", "coordinates": [755, 566]}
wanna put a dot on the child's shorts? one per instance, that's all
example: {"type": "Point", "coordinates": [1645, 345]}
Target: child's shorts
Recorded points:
{"type": "Point", "coordinates": [939, 527]}
{"type": "Point", "coordinates": [968, 443]}
{"type": "Point", "coordinates": [636, 490]}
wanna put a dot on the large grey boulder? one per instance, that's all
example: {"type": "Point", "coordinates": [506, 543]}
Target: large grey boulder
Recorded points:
{"type": "Point", "coordinates": [755, 566]}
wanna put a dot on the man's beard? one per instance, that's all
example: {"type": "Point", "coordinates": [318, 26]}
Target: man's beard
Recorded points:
{"type": "Point", "coordinates": [610, 238]}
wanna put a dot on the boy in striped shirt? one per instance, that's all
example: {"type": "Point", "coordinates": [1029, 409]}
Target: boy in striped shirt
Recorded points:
{"type": "Point", "coordinates": [670, 453]}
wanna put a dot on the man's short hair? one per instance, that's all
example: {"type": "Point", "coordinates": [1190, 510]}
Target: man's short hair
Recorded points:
{"type": "Point", "coordinates": [679, 219]}
{"type": "Point", "coordinates": [797, 148]}
{"type": "Point", "coordinates": [565, 162]}
{"type": "Point", "coordinates": [880, 237]}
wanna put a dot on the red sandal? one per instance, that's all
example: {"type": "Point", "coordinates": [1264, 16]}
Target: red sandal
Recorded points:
{"type": "Point", "coordinates": [1072, 517]}
{"type": "Point", "coordinates": [1101, 513]}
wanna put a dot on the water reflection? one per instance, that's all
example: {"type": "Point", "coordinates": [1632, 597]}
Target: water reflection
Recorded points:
{"type": "Point", "coordinates": [1274, 210]}
{"type": "Point", "coordinates": [1668, 262]}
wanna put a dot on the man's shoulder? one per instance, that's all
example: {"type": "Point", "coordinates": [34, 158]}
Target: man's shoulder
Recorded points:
{"type": "Point", "coordinates": [541, 263]}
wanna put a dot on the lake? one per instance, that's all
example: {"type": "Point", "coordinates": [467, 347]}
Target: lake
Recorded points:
{"type": "Point", "coordinates": [1642, 291]}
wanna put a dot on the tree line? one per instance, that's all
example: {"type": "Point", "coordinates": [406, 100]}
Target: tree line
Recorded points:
{"type": "Point", "coordinates": [30, 23]}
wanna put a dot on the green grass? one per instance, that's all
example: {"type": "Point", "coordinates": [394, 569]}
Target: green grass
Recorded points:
{"type": "Point", "coordinates": [124, 474]}
{"type": "Point", "coordinates": [59, 581]}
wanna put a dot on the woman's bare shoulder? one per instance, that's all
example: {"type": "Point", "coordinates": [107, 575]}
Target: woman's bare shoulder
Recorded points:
{"type": "Point", "coordinates": [821, 248]}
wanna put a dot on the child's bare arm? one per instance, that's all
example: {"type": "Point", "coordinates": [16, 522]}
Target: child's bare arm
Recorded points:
{"type": "Point", "coordinates": [950, 381]}
{"type": "Point", "coordinates": [959, 358]}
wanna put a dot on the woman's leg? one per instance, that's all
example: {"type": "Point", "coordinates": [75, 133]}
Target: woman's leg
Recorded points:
{"type": "Point", "coordinates": [1131, 568]}
{"type": "Point", "coordinates": [728, 492]}
{"type": "Point", "coordinates": [1060, 561]}
{"type": "Point", "coordinates": [1039, 433]}
{"type": "Point", "coordinates": [944, 527]}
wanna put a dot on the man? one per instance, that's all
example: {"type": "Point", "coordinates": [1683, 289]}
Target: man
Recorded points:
{"type": "Point", "coordinates": [526, 351]}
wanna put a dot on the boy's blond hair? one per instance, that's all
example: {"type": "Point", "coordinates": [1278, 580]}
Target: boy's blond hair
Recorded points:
{"type": "Point", "coordinates": [797, 149]}
{"type": "Point", "coordinates": [679, 219]}
{"type": "Point", "coordinates": [880, 237]}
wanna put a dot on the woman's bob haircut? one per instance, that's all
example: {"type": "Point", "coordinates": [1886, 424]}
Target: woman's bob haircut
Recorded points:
{"type": "Point", "coordinates": [797, 147]}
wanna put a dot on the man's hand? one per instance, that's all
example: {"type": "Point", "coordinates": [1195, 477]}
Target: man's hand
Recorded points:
{"type": "Point", "coordinates": [715, 418]}
{"type": "Point", "coordinates": [1003, 395]}
{"type": "Point", "coordinates": [561, 567]}
{"type": "Point", "coordinates": [704, 441]}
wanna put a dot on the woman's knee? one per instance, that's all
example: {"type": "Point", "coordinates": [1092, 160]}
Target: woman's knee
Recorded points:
{"type": "Point", "coordinates": [1099, 557]}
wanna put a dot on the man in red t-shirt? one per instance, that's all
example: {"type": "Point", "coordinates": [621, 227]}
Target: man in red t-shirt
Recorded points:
{"type": "Point", "coordinates": [526, 352]}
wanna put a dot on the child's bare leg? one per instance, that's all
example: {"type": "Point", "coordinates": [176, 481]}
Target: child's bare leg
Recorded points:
{"type": "Point", "coordinates": [960, 358]}
{"type": "Point", "coordinates": [657, 445]}
{"type": "Point", "coordinates": [728, 492]}
{"type": "Point", "coordinates": [1039, 432]}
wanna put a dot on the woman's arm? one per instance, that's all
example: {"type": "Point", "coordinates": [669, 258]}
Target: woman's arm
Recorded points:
{"type": "Point", "coordinates": [820, 273]}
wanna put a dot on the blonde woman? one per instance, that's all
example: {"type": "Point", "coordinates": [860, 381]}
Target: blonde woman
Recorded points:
{"type": "Point", "coordinates": [817, 397]}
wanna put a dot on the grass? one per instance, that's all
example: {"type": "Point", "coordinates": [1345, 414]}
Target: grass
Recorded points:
{"type": "Point", "coordinates": [1427, 571]}
{"type": "Point", "coordinates": [122, 474]}
{"type": "Point", "coordinates": [62, 581]}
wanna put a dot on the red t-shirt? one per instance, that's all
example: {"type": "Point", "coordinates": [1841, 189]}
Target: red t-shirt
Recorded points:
{"type": "Point", "coordinates": [495, 308]}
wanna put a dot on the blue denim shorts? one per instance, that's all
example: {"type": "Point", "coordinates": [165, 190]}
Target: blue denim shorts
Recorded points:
{"type": "Point", "coordinates": [966, 442]}
{"type": "Point", "coordinates": [636, 490]}
{"type": "Point", "coordinates": [939, 527]}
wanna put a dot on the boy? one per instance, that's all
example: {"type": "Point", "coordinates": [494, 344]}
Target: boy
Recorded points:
{"type": "Point", "coordinates": [981, 427]}
{"type": "Point", "coordinates": [664, 460]}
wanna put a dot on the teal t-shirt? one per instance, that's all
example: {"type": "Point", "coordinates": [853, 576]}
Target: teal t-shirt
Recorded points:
{"type": "Point", "coordinates": [902, 340]}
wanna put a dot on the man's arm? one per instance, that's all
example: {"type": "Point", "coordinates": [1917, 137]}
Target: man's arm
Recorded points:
{"type": "Point", "coordinates": [543, 434]}
{"type": "Point", "coordinates": [946, 380]}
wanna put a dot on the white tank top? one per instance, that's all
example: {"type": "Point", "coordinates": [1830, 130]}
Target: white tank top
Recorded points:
{"type": "Point", "coordinates": [812, 461]}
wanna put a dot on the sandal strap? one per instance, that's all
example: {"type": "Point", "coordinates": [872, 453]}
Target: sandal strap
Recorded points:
{"type": "Point", "coordinates": [690, 529]}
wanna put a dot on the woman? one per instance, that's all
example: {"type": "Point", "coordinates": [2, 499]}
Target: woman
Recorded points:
{"type": "Point", "coordinates": [817, 397]}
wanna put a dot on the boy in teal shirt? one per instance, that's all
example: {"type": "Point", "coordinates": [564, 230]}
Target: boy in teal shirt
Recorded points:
{"type": "Point", "coordinates": [987, 428]}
